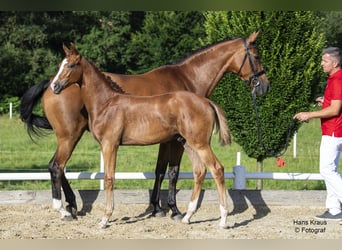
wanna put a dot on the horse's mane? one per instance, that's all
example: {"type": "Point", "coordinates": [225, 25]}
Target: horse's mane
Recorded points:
{"type": "Point", "coordinates": [113, 84]}
{"type": "Point", "coordinates": [199, 50]}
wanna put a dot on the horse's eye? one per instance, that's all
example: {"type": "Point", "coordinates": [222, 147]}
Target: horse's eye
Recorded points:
{"type": "Point", "coordinates": [71, 65]}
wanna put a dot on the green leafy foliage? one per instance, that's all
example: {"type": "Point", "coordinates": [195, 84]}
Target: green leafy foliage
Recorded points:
{"type": "Point", "coordinates": [5, 105]}
{"type": "Point", "coordinates": [332, 26]}
{"type": "Point", "coordinates": [290, 45]}
{"type": "Point", "coordinates": [107, 42]}
{"type": "Point", "coordinates": [23, 54]}
{"type": "Point", "coordinates": [165, 37]}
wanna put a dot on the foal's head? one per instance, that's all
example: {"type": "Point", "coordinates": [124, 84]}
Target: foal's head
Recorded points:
{"type": "Point", "coordinates": [249, 67]}
{"type": "Point", "coordinates": [70, 70]}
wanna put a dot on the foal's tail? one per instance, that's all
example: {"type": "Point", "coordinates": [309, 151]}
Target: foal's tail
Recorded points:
{"type": "Point", "coordinates": [221, 125]}
{"type": "Point", "coordinates": [34, 123]}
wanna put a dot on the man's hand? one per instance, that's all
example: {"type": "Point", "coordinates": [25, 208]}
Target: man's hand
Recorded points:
{"type": "Point", "coordinates": [319, 101]}
{"type": "Point", "coordinates": [302, 116]}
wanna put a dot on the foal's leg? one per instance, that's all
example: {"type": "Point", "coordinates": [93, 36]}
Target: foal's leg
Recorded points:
{"type": "Point", "coordinates": [199, 172]}
{"type": "Point", "coordinates": [109, 155]}
{"type": "Point", "coordinates": [208, 157]}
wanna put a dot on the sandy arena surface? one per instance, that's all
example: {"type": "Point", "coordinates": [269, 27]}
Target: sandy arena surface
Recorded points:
{"type": "Point", "coordinates": [133, 221]}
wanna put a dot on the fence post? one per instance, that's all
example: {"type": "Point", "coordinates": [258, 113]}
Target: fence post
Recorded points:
{"type": "Point", "coordinates": [10, 110]}
{"type": "Point", "coordinates": [295, 145]}
{"type": "Point", "coordinates": [240, 177]}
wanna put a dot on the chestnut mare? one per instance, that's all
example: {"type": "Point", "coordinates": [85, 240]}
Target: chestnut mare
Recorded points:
{"type": "Point", "coordinates": [198, 73]}
{"type": "Point", "coordinates": [121, 119]}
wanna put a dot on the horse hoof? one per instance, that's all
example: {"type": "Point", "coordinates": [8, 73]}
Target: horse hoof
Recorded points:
{"type": "Point", "coordinates": [103, 223]}
{"type": "Point", "coordinates": [177, 217]}
{"type": "Point", "coordinates": [67, 218]}
{"type": "Point", "coordinates": [221, 227]}
{"type": "Point", "coordinates": [159, 214]}
{"type": "Point", "coordinates": [185, 221]}
{"type": "Point", "coordinates": [72, 210]}
{"type": "Point", "coordinates": [102, 226]}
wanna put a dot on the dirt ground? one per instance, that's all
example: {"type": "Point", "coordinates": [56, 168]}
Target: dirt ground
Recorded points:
{"type": "Point", "coordinates": [133, 221]}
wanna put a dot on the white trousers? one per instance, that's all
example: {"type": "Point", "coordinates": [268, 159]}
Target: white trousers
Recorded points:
{"type": "Point", "coordinates": [330, 151]}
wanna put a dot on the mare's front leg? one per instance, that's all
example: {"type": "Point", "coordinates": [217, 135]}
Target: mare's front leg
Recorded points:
{"type": "Point", "coordinates": [109, 155]}
{"type": "Point", "coordinates": [56, 173]}
{"type": "Point", "coordinates": [70, 197]}
{"type": "Point", "coordinates": [68, 192]}
{"type": "Point", "coordinates": [58, 179]}
{"type": "Point", "coordinates": [69, 122]}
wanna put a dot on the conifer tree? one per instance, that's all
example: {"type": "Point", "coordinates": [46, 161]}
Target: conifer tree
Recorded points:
{"type": "Point", "coordinates": [290, 46]}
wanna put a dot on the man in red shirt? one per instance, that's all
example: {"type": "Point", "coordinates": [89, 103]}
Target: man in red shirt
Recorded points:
{"type": "Point", "coordinates": [331, 125]}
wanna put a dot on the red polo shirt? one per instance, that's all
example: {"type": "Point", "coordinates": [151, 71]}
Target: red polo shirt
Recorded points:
{"type": "Point", "coordinates": [333, 91]}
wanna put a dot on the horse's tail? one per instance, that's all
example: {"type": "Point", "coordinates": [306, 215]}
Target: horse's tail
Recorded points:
{"type": "Point", "coordinates": [34, 123]}
{"type": "Point", "coordinates": [221, 125]}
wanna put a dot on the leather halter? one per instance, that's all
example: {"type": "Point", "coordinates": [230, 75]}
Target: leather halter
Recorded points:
{"type": "Point", "coordinates": [253, 79]}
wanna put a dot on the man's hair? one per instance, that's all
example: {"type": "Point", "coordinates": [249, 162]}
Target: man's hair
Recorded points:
{"type": "Point", "coordinates": [335, 52]}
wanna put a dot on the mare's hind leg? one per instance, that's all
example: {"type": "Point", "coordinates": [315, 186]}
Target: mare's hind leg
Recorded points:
{"type": "Point", "coordinates": [176, 153]}
{"type": "Point", "coordinates": [199, 172]}
{"type": "Point", "coordinates": [162, 162]}
{"type": "Point", "coordinates": [169, 153]}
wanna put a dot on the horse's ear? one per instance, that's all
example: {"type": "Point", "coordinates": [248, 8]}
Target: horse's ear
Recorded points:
{"type": "Point", "coordinates": [73, 47]}
{"type": "Point", "coordinates": [253, 37]}
{"type": "Point", "coordinates": [66, 50]}
{"type": "Point", "coordinates": [78, 58]}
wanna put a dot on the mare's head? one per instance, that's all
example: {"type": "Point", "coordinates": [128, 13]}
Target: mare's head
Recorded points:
{"type": "Point", "coordinates": [70, 70]}
{"type": "Point", "coordinates": [248, 65]}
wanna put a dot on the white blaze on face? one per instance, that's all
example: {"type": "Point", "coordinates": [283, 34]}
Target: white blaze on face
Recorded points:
{"type": "Point", "coordinates": [52, 85]}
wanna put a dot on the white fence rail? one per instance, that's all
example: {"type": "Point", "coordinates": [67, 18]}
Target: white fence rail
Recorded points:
{"type": "Point", "coordinates": [239, 175]}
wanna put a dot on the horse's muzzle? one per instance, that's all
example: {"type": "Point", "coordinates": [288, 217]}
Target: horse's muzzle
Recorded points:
{"type": "Point", "coordinates": [260, 87]}
{"type": "Point", "coordinates": [56, 87]}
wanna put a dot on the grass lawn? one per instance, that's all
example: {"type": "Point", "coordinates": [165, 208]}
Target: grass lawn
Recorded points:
{"type": "Point", "coordinates": [19, 154]}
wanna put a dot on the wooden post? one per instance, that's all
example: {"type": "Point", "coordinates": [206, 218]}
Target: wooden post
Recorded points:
{"type": "Point", "coordinates": [259, 169]}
